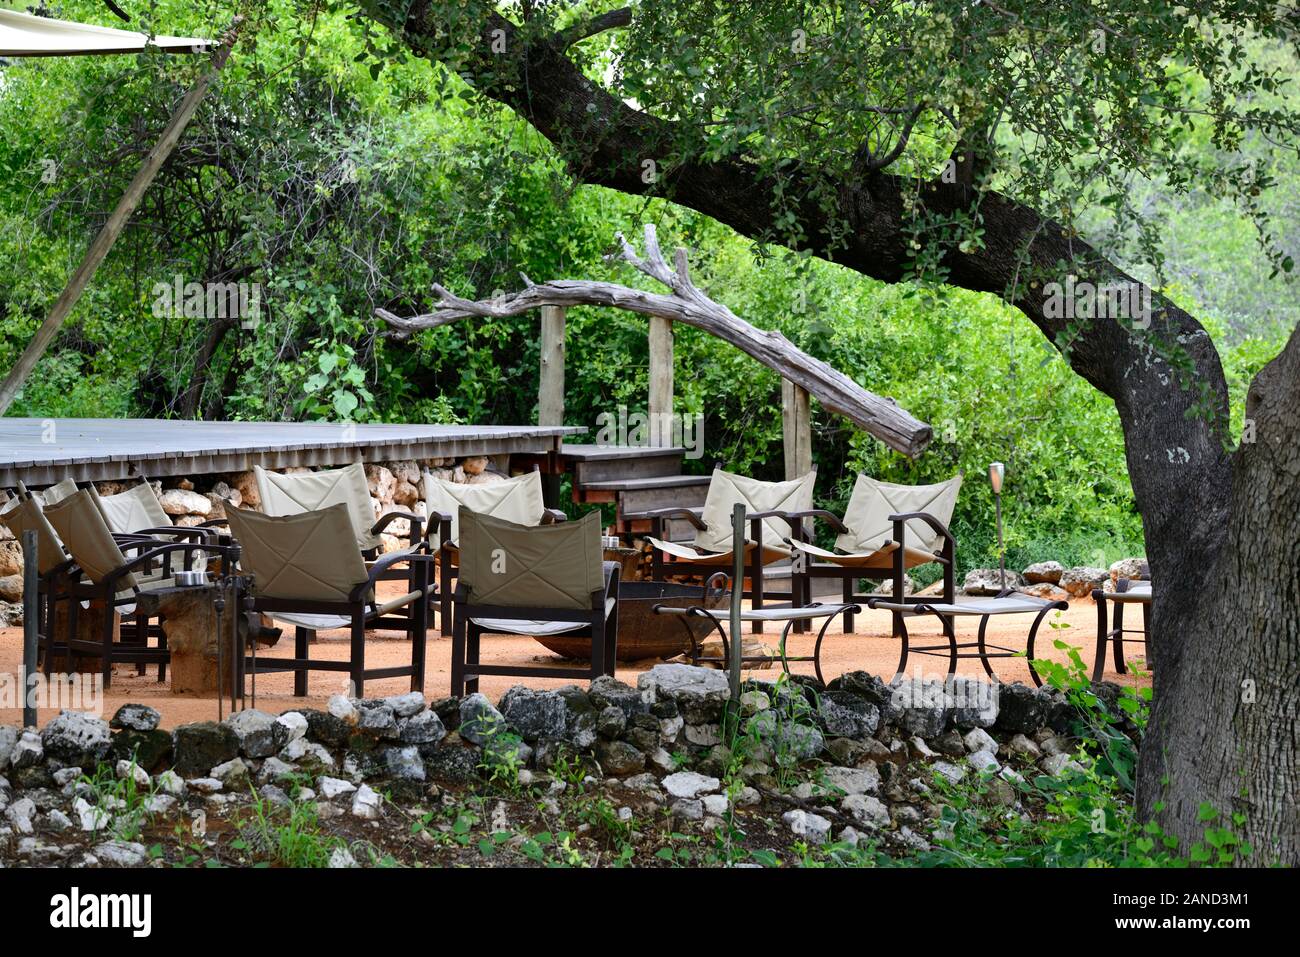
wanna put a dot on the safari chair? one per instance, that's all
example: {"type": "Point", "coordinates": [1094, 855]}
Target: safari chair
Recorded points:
{"type": "Point", "coordinates": [535, 580]}
{"type": "Point", "coordinates": [23, 514]}
{"type": "Point", "coordinates": [517, 500]}
{"type": "Point", "coordinates": [137, 512]}
{"type": "Point", "coordinates": [57, 492]}
{"type": "Point", "coordinates": [308, 572]}
{"type": "Point", "coordinates": [297, 492]}
{"type": "Point", "coordinates": [767, 504]}
{"type": "Point", "coordinates": [102, 572]}
{"type": "Point", "coordinates": [866, 546]}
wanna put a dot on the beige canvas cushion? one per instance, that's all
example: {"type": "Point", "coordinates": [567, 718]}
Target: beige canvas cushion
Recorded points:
{"type": "Point", "coordinates": [311, 491]}
{"type": "Point", "coordinates": [58, 492]}
{"type": "Point", "coordinates": [517, 500]}
{"type": "Point", "coordinates": [727, 488]}
{"type": "Point", "coordinates": [26, 515]}
{"type": "Point", "coordinates": [79, 523]}
{"type": "Point", "coordinates": [130, 511]}
{"type": "Point", "coordinates": [313, 556]}
{"type": "Point", "coordinates": [872, 502]}
{"type": "Point", "coordinates": [543, 566]}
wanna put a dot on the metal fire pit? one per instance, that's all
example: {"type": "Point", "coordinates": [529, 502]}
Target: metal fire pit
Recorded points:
{"type": "Point", "coordinates": [643, 634]}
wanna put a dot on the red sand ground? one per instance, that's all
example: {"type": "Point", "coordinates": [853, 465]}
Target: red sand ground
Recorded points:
{"type": "Point", "coordinates": [871, 649]}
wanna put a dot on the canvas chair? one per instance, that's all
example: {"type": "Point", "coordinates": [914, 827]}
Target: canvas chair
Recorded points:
{"type": "Point", "coordinates": [297, 492]}
{"type": "Point", "coordinates": [517, 500]}
{"type": "Point", "coordinates": [767, 505]}
{"type": "Point", "coordinates": [532, 580]}
{"type": "Point", "coordinates": [308, 572]}
{"type": "Point", "coordinates": [21, 514]}
{"type": "Point", "coordinates": [57, 492]}
{"type": "Point", "coordinates": [866, 545]}
{"type": "Point", "coordinates": [101, 571]}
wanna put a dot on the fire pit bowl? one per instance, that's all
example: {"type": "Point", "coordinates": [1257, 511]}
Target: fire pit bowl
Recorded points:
{"type": "Point", "coordinates": [641, 633]}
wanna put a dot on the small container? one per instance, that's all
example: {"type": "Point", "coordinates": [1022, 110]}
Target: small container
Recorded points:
{"type": "Point", "coordinates": [190, 578]}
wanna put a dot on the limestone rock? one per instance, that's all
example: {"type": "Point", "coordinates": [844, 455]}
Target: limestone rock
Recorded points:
{"type": "Point", "coordinates": [1130, 568]}
{"type": "Point", "coordinates": [700, 693]}
{"type": "Point", "coordinates": [260, 734]}
{"type": "Point", "coordinates": [198, 747]}
{"type": "Point", "coordinates": [136, 717]}
{"type": "Point", "coordinates": [812, 827]}
{"type": "Point", "coordinates": [689, 784]}
{"type": "Point", "coordinates": [480, 721]}
{"type": "Point", "coordinates": [988, 581]}
{"type": "Point", "coordinates": [179, 501]}
{"type": "Point", "coordinates": [75, 738]}
{"type": "Point", "coordinates": [1044, 573]}
{"type": "Point", "coordinates": [534, 714]}
{"type": "Point", "coordinates": [1081, 581]}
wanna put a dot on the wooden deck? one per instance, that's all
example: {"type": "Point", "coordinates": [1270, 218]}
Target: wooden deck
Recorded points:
{"type": "Point", "coordinates": [43, 451]}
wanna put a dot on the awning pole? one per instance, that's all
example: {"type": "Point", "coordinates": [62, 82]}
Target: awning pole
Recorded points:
{"type": "Point", "coordinates": [116, 222]}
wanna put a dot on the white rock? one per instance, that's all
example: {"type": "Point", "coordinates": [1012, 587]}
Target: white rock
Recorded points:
{"type": "Point", "coordinates": [56, 820]}
{"type": "Point", "coordinates": [179, 501]}
{"type": "Point", "coordinates": [21, 816]}
{"type": "Point", "coordinates": [977, 739]}
{"type": "Point", "coordinates": [232, 774]}
{"type": "Point", "coordinates": [273, 769]}
{"type": "Point", "coordinates": [1056, 764]}
{"type": "Point", "coordinates": [171, 783]}
{"type": "Point", "coordinates": [661, 759]}
{"type": "Point", "coordinates": [866, 810]}
{"type": "Point", "coordinates": [90, 817]}
{"type": "Point", "coordinates": [863, 780]}
{"type": "Point", "coordinates": [129, 769]}
{"type": "Point", "coordinates": [122, 853]}
{"type": "Point", "coordinates": [405, 705]}
{"type": "Point", "coordinates": [160, 804]}
{"type": "Point", "coordinates": [330, 788]}
{"type": "Point", "coordinates": [366, 803]}
{"type": "Point", "coordinates": [205, 785]}
{"type": "Point", "coordinates": [689, 784]}
{"type": "Point", "coordinates": [341, 707]}
{"type": "Point", "coordinates": [341, 858]}
{"type": "Point", "coordinates": [294, 724]}
{"type": "Point", "coordinates": [952, 772]}
{"type": "Point", "coordinates": [921, 748]}
{"type": "Point", "coordinates": [717, 805]}
{"type": "Point", "coordinates": [805, 824]}
{"type": "Point", "coordinates": [983, 761]}
{"type": "Point", "coordinates": [1019, 744]}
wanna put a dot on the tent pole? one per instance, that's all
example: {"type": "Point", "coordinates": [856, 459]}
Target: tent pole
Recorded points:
{"type": "Point", "coordinates": [116, 223]}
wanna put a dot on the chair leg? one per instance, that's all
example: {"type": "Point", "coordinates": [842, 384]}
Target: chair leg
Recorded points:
{"type": "Point", "coordinates": [472, 649]}
{"type": "Point", "coordinates": [358, 655]}
{"type": "Point", "coordinates": [847, 597]}
{"type": "Point", "coordinates": [107, 652]}
{"type": "Point", "coordinates": [611, 642]}
{"type": "Point", "coordinates": [1099, 659]}
{"type": "Point", "coordinates": [162, 646]}
{"type": "Point", "coordinates": [756, 587]}
{"type": "Point", "coordinates": [1119, 637]}
{"type": "Point", "coordinates": [445, 603]}
{"type": "Point", "coordinates": [418, 632]}
{"type": "Point", "coordinates": [300, 638]}
{"type": "Point", "coordinates": [597, 646]}
{"type": "Point", "coordinates": [458, 655]}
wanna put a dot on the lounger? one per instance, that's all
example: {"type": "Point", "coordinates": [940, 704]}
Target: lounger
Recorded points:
{"type": "Point", "coordinates": [308, 572]}
{"type": "Point", "coordinates": [532, 580]}
{"type": "Point", "coordinates": [23, 514]}
{"type": "Point", "coordinates": [517, 500]}
{"type": "Point", "coordinates": [767, 504]}
{"type": "Point", "coordinates": [101, 571]}
{"type": "Point", "coordinates": [866, 545]}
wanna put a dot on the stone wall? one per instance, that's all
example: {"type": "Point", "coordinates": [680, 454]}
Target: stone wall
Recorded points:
{"type": "Point", "coordinates": [865, 753]}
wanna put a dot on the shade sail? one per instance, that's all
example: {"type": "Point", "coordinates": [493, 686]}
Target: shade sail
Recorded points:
{"type": "Point", "coordinates": [22, 34]}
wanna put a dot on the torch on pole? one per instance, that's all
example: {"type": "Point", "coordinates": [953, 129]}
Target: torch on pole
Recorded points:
{"type": "Point", "coordinates": [997, 472]}
{"type": "Point", "coordinates": [31, 624]}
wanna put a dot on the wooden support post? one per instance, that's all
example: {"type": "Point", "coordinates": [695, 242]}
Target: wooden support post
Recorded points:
{"type": "Point", "coordinates": [661, 380]}
{"type": "Point", "coordinates": [113, 227]}
{"type": "Point", "coordinates": [796, 429]}
{"type": "Point", "coordinates": [550, 388]}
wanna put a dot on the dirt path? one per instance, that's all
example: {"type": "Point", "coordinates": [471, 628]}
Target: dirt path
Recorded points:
{"type": "Point", "coordinates": [871, 649]}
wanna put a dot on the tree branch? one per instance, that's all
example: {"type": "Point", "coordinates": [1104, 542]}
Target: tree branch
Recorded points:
{"type": "Point", "coordinates": [688, 304]}
{"type": "Point", "coordinates": [586, 29]}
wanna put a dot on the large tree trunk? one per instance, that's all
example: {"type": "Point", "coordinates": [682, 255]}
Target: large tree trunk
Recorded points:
{"type": "Point", "coordinates": [1220, 530]}
{"type": "Point", "coordinates": [1226, 662]}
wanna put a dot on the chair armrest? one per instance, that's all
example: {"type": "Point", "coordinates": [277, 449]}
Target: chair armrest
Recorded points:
{"type": "Point", "coordinates": [390, 517]}
{"type": "Point", "coordinates": [613, 572]}
{"type": "Point", "coordinates": [384, 562]}
{"type": "Point", "coordinates": [145, 558]}
{"type": "Point", "coordinates": [691, 515]}
{"type": "Point", "coordinates": [830, 518]}
{"type": "Point", "coordinates": [551, 516]}
{"type": "Point", "coordinates": [192, 532]}
{"type": "Point", "coordinates": [926, 517]}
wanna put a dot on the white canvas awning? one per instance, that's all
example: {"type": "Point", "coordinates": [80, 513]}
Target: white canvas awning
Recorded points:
{"type": "Point", "coordinates": [22, 34]}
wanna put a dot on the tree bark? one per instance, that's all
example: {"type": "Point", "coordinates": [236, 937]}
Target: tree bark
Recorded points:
{"type": "Point", "coordinates": [1221, 542]}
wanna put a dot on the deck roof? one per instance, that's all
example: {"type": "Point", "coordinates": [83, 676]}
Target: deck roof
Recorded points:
{"type": "Point", "coordinates": [43, 451]}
